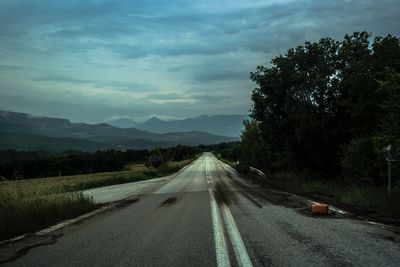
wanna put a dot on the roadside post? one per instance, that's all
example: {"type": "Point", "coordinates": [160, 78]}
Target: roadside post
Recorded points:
{"type": "Point", "coordinates": [391, 155]}
{"type": "Point", "coordinates": [155, 160]}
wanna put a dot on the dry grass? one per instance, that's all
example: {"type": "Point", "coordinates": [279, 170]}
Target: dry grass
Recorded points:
{"type": "Point", "coordinates": [29, 205]}
{"type": "Point", "coordinates": [28, 209]}
{"type": "Point", "coordinates": [136, 167]}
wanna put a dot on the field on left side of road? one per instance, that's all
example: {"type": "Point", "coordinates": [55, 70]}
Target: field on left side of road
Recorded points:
{"type": "Point", "coordinates": [30, 205]}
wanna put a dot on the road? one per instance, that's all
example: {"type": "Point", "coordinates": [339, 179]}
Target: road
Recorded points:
{"type": "Point", "coordinates": [209, 216]}
{"type": "Point", "coordinates": [102, 195]}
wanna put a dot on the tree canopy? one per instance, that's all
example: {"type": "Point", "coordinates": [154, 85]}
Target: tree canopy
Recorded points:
{"type": "Point", "coordinates": [312, 105]}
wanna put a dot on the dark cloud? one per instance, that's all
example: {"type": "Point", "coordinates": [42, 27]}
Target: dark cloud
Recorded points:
{"type": "Point", "coordinates": [258, 28]}
{"type": "Point", "coordinates": [148, 52]}
{"type": "Point", "coordinates": [227, 69]}
{"type": "Point", "coordinates": [96, 83]}
{"type": "Point", "coordinates": [10, 68]}
{"type": "Point", "coordinates": [221, 75]}
{"type": "Point", "coordinates": [170, 96]}
{"type": "Point", "coordinates": [211, 99]}
{"type": "Point", "coordinates": [62, 79]}
{"type": "Point", "coordinates": [173, 48]}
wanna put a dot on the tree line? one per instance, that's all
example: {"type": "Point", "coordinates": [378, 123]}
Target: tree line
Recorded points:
{"type": "Point", "coordinates": [326, 109]}
{"type": "Point", "coordinates": [32, 164]}
{"type": "Point", "coordinates": [16, 165]}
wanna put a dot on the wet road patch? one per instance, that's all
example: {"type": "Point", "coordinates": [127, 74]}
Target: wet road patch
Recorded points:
{"type": "Point", "coordinates": [168, 201]}
{"type": "Point", "coordinates": [221, 195]}
{"type": "Point", "coordinates": [126, 202]}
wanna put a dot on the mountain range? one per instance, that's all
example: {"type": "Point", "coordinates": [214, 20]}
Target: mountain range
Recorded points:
{"type": "Point", "coordinates": [225, 125]}
{"type": "Point", "coordinates": [27, 132]}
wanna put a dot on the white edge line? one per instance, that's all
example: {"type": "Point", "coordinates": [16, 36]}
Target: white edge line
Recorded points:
{"type": "Point", "coordinates": [62, 224]}
{"type": "Point", "coordinates": [74, 220]}
{"type": "Point", "coordinates": [7, 241]}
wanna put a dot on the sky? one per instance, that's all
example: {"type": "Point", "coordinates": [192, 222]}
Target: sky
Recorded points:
{"type": "Point", "coordinates": [94, 61]}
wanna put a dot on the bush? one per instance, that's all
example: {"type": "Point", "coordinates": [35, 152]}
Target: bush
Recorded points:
{"type": "Point", "coordinates": [364, 163]}
{"type": "Point", "coordinates": [373, 198]}
{"type": "Point", "coordinates": [242, 168]}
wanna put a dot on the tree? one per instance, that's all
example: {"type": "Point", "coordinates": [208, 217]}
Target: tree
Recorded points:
{"type": "Point", "coordinates": [390, 87]}
{"type": "Point", "coordinates": [318, 98]}
{"type": "Point", "coordinates": [252, 147]}
{"type": "Point", "coordinates": [295, 103]}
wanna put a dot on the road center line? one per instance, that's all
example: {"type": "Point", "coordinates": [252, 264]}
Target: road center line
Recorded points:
{"type": "Point", "coordinates": [219, 238]}
{"type": "Point", "coordinates": [237, 242]}
{"type": "Point", "coordinates": [239, 248]}
{"type": "Point", "coordinates": [221, 249]}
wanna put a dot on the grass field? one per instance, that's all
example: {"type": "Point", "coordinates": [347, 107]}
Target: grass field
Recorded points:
{"type": "Point", "coordinates": [30, 205]}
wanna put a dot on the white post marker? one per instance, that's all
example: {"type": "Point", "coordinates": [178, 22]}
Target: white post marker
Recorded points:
{"type": "Point", "coordinates": [389, 177]}
{"type": "Point", "coordinates": [391, 156]}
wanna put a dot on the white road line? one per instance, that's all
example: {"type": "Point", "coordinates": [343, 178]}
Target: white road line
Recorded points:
{"type": "Point", "coordinates": [237, 242]}
{"type": "Point", "coordinates": [219, 238]}
{"type": "Point", "coordinates": [207, 169]}
{"type": "Point", "coordinates": [239, 248]}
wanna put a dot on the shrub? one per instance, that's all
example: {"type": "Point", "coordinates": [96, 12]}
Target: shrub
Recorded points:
{"type": "Point", "coordinates": [242, 168]}
{"type": "Point", "coordinates": [364, 163]}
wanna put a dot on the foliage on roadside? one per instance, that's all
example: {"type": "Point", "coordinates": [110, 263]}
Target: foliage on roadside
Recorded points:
{"type": "Point", "coordinates": [23, 214]}
{"type": "Point", "coordinates": [327, 109]}
{"type": "Point", "coordinates": [15, 165]}
{"type": "Point", "coordinates": [363, 199]}
{"type": "Point", "coordinates": [322, 114]}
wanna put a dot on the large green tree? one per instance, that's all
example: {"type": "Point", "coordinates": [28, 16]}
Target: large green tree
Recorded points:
{"type": "Point", "coordinates": [315, 99]}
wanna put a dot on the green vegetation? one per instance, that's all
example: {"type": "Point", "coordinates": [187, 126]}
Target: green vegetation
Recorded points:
{"type": "Point", "coordinates": [16, 165]}
{"type": "Point", "coordinates": [320, 102]}
{"type": "Point", "coordinates": [21, 213]}
{"type": "Point", "coordinates": [363, 199]}
{"type": "Point", "coordinates": [358, 198]}
{"type": "Point", "coordinates": [324, 111]}
{"type": "Point", "coordinates": [36, 164]}
{"type": "Point", "coordinates": [29, 205]}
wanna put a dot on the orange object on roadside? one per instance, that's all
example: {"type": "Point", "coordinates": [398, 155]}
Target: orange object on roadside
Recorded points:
{"type": "Point", "coordinates": [319, 208]}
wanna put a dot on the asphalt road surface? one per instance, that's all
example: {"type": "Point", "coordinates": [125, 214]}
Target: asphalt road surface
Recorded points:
{"type": "Point", "coordinates": [208, 216]}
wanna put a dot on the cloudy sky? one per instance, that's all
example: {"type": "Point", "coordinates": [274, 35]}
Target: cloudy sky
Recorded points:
{"type": "Point", "coordinates": [90, 61]}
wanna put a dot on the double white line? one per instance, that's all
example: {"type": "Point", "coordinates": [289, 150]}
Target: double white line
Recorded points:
{"type": "Point", "coordinates": [221, 249]}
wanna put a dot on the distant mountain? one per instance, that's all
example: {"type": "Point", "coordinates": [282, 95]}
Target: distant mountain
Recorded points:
{"type": "Point", "coordinates": [123, 123]}
{"type": "Point", "coordinates": [225, 125]}
{"type": "Point", "coordinates": [27, 132]}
